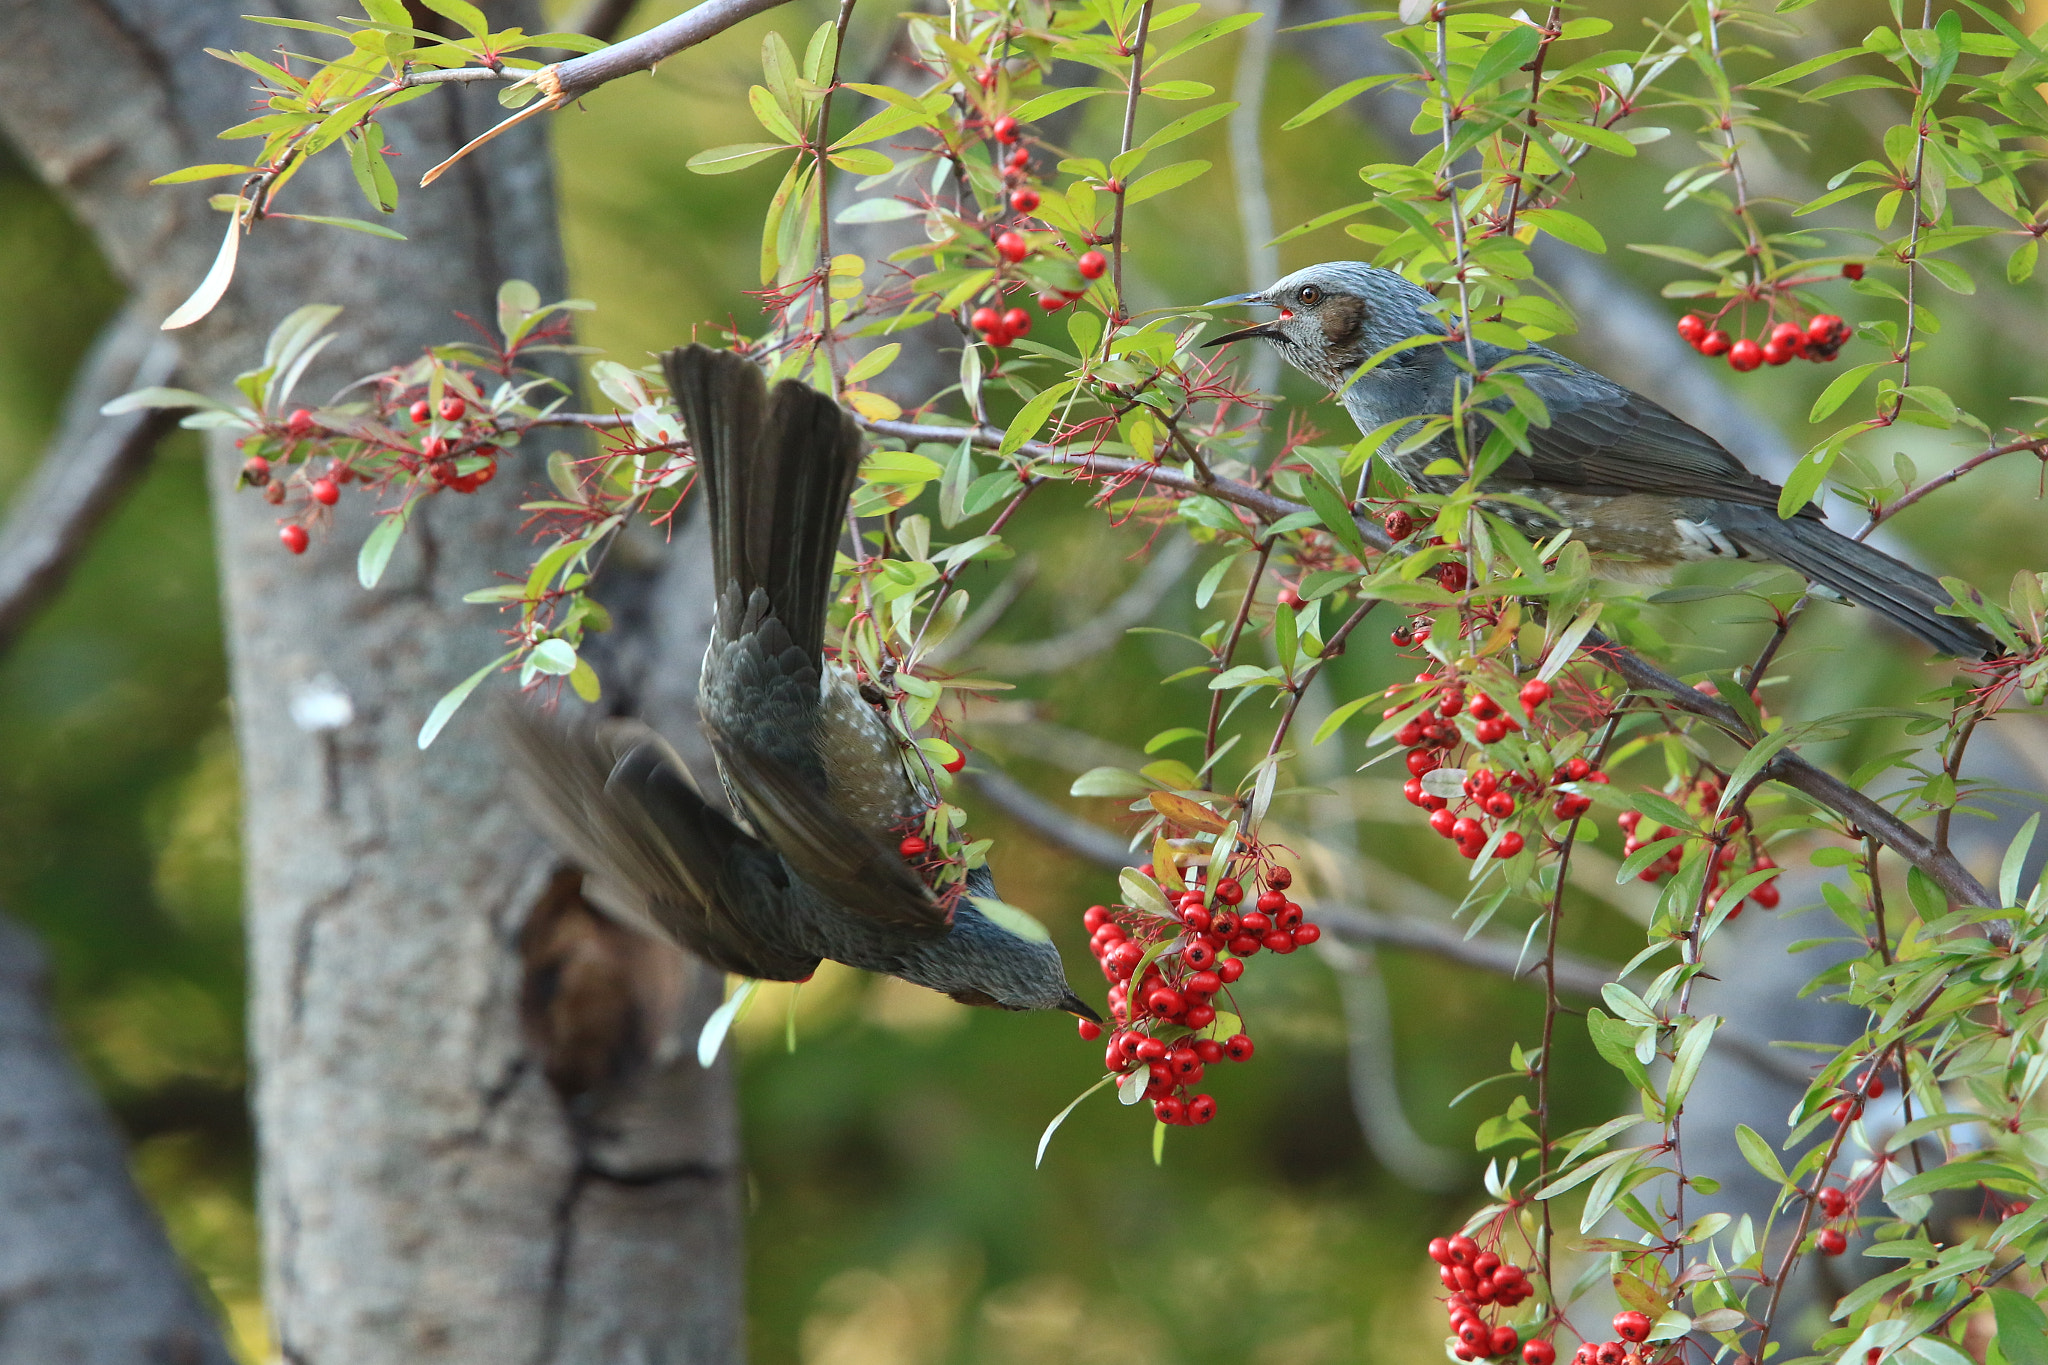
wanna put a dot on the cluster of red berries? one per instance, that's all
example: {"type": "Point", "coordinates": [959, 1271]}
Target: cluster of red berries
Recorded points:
{"type": "Point", "coordinates": [1709, 795]}
{"type": "Point", "coordinates": [1478, 1279]}
{"type": "Point", "coordinates": [1483, 798]}
{"type": "Point", "coordinates": [1633, 1329]}
{"type": "Point", "coordinates": [1820, 340]}
{"type": "Point", "coordinates": [1834, 1202]}
{"type": "Point", "coordinates": [1187, 962]}
{"type": "Point", "coordinates": [435, 455]}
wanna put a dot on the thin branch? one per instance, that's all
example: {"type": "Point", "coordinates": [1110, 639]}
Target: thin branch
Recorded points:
{"type": "Point", "coordinates": [1787, 767]}
{"type": "Point", "coordinates": [92, 462]}
{"type": "Point", "coordinates": [570, 80]}
{"type": "Point", "coordinates": [1116, 232]}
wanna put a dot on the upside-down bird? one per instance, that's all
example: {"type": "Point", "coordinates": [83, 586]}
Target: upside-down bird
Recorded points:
{"type": "Point", "coordinates": [1641, 489]}
{"type": "Point", "coordinates": [815, 772]}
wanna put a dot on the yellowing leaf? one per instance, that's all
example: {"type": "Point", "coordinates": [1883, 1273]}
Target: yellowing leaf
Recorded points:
{"type": "Point", "coordinates": [1187, 814]}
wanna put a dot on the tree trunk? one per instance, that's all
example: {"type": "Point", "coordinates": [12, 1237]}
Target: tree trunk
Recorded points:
{"type": "Point", "coordinates": [480, 1139]}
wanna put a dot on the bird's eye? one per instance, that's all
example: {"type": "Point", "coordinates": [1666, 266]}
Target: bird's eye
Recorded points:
{"type": "Point", "coordinates": [1310, 296]}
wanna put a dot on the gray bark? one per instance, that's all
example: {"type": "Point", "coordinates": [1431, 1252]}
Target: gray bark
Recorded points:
{"type": "Point", "coordinates": [86, 1275]}
{"type": "Point", "coordinates": [478, 1138]}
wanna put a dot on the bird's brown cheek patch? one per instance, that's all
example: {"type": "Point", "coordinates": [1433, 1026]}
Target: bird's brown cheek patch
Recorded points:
{"type": "Point", "coordinates": [1343, 319]}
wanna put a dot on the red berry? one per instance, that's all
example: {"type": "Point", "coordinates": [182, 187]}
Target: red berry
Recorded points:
{"type": "Point", "coordinates": [1846, 1109]}
{"type": "Point", "coordinates": [434, 447]}
{"type": "Point", "coordinates": [1238, 1048]}
{"type": "Point", "coordinates": [1745, 355]}
{"type": "Point", "coordinates": [1534, 693]}
{"type": "Point", "coordinates": [1196, 918]}
{"type": "Point", "coordinates": [1421, 761]}
{"type": "Point", "coordinates": [1852, 270]}
{"type": "Point", "coordinates": [1692, 327]}
{"type": "Point", "coordinates": [1203, 983]}
{"type": "Point", "coordinates": [1244, 945]}
{"type": "Point", "coordinates": [1198, 955]}
{"type": "Point", "coordinates": [1609, 1353]}
{"type": "Point", "coordinates": [299, 424]}
{"type": "Point", "coordinates": [1465, 830]}
{"type": "Point", "coordinates": [1766, 895]}
{"type": "Point", "coordinates": [1019, 159]}
{"type": "Point", "coordinates": [1254, 923]}
{"type": "Point", "coordinates": [1095, 916]}
{"type": "Point", "coordinates": [1201, 1109]}
{"type": "Point", "coordinates": [1229, 891]}
{"type": "Point", "coordinates": [1165, 1002]}
{"type": "Point", "coordinates": [1024, 201]}
{"type": "Point", "coordinates": [1874, 1087]}
{"type": "Point", "coordinates": [1790, 335]}
{"type": "Point", "coordinates": [1632, 1326]}
{"type": "Point", "coordinates": [1017, 322]}
{"type": "Point", "coordinates": [1168, 1110]}
{"type": "Point", "coordinates": [1278, 941]}
{"type": "Point", "coordinates": [1440, 1250]}
{"type": "Point", "coordinates": [998, 337]}
{"type": "Point", "coordinates": [1539, 1353]}
{"type": "Point", "coordinates": [295, 538]}
{"type": "Point", "coordinates": [1826, 329]}
{"type": "Point", "coordinates": [1305, 934]}
{"type": "Point", "coordinates": [1503, 1340]}
{"type": "Point", "coordinates": [1453, 577]}
{"type": "Point", "coordinates": [1483, 707]}
{"type": "Point", "coordinates": [1268, 901]}
{"type": "Point", "coordinates": [1715, 342]}
{"type": "Point", "coordinates": [420, 413]}
{"type": "Point", "coordinates": [1092, 265]}
{"type": "Point", "coordinates": [913, 846]}
{"type": "Point", "coordinates": [1474, 1334]}
{"type": "Point", "coordinates": [1124, 958]}
{"type": "Point", "coordinates": [1834, 1202]}
{"type": "Point", "coordinates": [985, 319]}
{"type": "Point", "coordinates": [1510, 844]}
{"type": "Point", "coordinates": [1500, 805]}
{"type": "Point", "coordinates": [1150, 1050]}
{"type": "Point", "coordinates": [1775, 354]}
{"type": "Point", "coordinates": [1012, 247]}
{"type": "Point", "coordinates": [1575, 770]}
{"type": "Point", "coordinates": [1399, 524]}
{"type": "Point", "coordinates": [1089, 1029]}
{"type": "Point", "coordinates": [1209, 1050]}
{"type": "Point", "coordinates": [1490, 731]}
{"type": "Point", "coordinates": [1230, 970]}
{"type": "Point", "coordinates": [1052, 300]}
{"type": "Point", "coordinates": [256, 471]}
{"type": "Point", "coordinates": [452, 409]}
{"type": "Point", "coordinates": [1442, 822]}
{"type": "Point", "coordinates": [325, 492]}
{"type": "Point", "coordinates": [1831, 1242]}
{"type": "Point", "coordinates": [1006, 129]}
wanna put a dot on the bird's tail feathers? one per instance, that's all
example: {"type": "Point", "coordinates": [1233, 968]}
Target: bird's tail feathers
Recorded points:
{"type": "Point", "coordinates": [1866, 576]}
{"type": "Point", "coordinates": [778, 466]}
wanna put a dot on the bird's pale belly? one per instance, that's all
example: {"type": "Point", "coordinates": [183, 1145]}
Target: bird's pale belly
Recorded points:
{"type": "Point", "coordinates": [1637, 536]}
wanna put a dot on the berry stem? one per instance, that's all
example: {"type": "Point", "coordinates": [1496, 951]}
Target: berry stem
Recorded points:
{"type": "Point", "coordinates": [1551, 25]}
{"type": "Point", "coordinates": [1223, 656]}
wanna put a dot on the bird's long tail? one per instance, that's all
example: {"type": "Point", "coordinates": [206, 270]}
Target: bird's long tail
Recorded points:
{"type": "Point", "coordinates": [1866, 576]}
{"type": "Point", "coordinates": [778, 467]}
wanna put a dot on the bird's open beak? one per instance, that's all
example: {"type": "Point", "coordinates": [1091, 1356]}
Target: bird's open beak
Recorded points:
{"type": "Point", "coordinates": [1264, 329]}
{"type": "Point", "coordinates": [1073, 1004]}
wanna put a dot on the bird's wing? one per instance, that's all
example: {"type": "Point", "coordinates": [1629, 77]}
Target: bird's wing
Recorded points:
{"type": "Point", "coordinates": [1615, 441]}
{"type": "Point", "coordinates": [662, 860]}
{"type": "Point", "coordinates": [821, 844]}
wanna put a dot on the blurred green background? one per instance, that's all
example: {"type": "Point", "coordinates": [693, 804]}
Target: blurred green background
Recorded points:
{"type": "Point", "coordinates": [895, 1213]}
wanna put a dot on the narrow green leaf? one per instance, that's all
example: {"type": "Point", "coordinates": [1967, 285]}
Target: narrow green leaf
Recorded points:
{"type": "Point", "coordinates": [712, 1037]}
{"type": "Point", "coordinates": [445, 709]}
{"type": "Point", "coordinates": [212, 172]}
{"type": "Point", "coordinates": [1155, 183]}
{"type": "Point", "coordinates": [1568, 228]}
{"type": "Point", "coordinates": [1033, 416]}
{"type": "Point", "coordinates": [1045, 1139]}
{"type": "Point", "coordinates": [352, 224]}
{"type": "Point", "coordinates": [375, 556]}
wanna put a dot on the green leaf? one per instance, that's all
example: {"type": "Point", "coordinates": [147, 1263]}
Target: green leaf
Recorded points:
{"type": "Point", "coordinates": [712, 1037]}
{"type": "Point", "coordinates": [1061, 1117]}
{"type": "Point", "coordinates": [372, 168]}
{"type": "Point", "coordinates": [352, 224]}
{"type": "Point", "coordinates": [375, 556]}
{"type": "Point", "coordinates": [1109, 782]}
{"type": "Point", "coordinates": [212, 172]}
{"type": "Point", "coordinates": [2019, 267]}
{"type": "Point", "coordinates": [1838, 390]}
{"type": "Point", "coordinates": [1033, 416]}
{"type": "Point", "coordinates": [463, 13]}
{"type": "Point", "coordinates": [1052, 101]}
{"type": "Point", "coordinates": [1515, 48]}
{"type": "Point", "coordinates": [1333, 513]}
{"type": "Point", "coordinates": [2015, 861]}
{"type": "Point", "coordinates": [2022, 1328]}
{"type": "Point", "coordinates": [156, 396]}
{"type": "Point", "coordinates": [1342, 94]}
{"type": "Point", "coordinates": [736, 157]}
{"type": "Point", "coordinates": [1187, 124]}
{"type": "Point", "coordinates": [445, 709]}
{"type": "Point", "coordinates": [1958, 1175]}
{"type": "Point", "coordinates": [1759, 1155]}
{"type": "Point", "coordinates": [1008, 917]}
{"type": "Point", "coordinates": [874, 362]}
{"type": "Point", "coordinates": [1155, 183]}
{"type": "Point", "coordinates": [1568, 228]}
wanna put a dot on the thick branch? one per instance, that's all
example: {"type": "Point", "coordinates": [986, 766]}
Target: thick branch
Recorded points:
{"type": "Point", "coordinates": [90, 464]}
{"type": "Point", "coordinates": [1788, 767]}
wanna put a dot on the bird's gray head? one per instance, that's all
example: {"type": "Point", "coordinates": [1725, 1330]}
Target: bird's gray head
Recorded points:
{"type": "Point", "coordinates": [1336, 316]}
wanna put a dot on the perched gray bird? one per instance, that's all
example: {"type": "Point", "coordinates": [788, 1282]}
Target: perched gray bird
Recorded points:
{"type": "Point", "coordinates": [817, 774]}
{"type": "Point", "coordinates": [1636, 485]}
